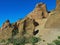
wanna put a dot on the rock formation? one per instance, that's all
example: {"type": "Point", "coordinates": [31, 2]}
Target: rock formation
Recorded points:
{"type": "Point", "coordinates": [6, 30]}
{"type": "Point", "coordinates": [29, 26]}
{"type": "Point", "coordinates": [5, 25]}
{"type": "Point", "coordinates": [39, 12]}
{"type": "Point", "coordinates": [57, 5]}
{"type": "Point", "coordinates": [25, 26]}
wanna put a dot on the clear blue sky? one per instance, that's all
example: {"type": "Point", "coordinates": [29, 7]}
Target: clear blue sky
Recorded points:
{"type": "Point", "coordinates": [15, 9]}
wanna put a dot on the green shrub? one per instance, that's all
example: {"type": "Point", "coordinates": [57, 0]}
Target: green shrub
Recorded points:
{"type": "Point", "coordinates": [3, 41]}
{"type": "Point", "coordinates": [50, 44]}
{"type": "Point", "coordinates": [23, 41]}
{"type": "Point", "coordinates": [19, 41]}
{"type": "Point", "coordinates": [58, 37]}
{"type": "Point", "coordinates": [9, 41]}
{"type": "Point", "coordinates": [34, 40]}
{"type": "Point", "coordinates": [57, 42]}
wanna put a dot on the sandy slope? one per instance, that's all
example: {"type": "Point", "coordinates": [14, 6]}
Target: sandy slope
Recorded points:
{"type": "Point", "coordinates": [53, 21]}
{"type": "Point", "coordinates": [51, 31]}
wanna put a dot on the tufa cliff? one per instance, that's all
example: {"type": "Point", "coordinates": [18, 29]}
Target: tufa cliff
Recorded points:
{"type": "Point", "coordinates": [28, 24]}
{"type": "Point", "coordinates": [38, 23]}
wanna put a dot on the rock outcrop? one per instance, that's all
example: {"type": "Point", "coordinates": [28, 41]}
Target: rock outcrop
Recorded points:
{"type": "Point", "coordinates": [57, 5]}
{"type": "Point", "coordinates": [6, 31]}
{"type": "Point", "coordinates": [38, 23]}
{"type": "Point", "coordinates": [26, 26]}
{"type": "Point", "coordinates": [34, 23]}
{"type": "Point", "coordinates": [5, 25]}
{"type": "Point", "coordinates": [53, 20]}
{"type": "Point", "coordinates": [39, 12]}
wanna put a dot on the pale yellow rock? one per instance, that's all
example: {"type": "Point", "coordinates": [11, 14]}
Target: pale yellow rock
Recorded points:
{"type": "Point", "coordinates": [39, 12]}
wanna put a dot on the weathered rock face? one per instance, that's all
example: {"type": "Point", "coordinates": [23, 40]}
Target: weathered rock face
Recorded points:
{"type": "Point", "coordinates": [6, 30]}
{"type": "Point", "coordinates": [29, 27]}
{"type": "Point", "coordinates": [6, 33]}
{"type": "Point", "coordinates": [58, 5]}
{"type": "Point", "coordinates": [53, 20]}
{"type": "Point", "coordinates": [39, 12]}
{"type": "Point", "coordinates": [26, 26]}
{"type": "Point", "coordinates": [5, 25]}
{"type": "Point", "coordinates": [20, 25]}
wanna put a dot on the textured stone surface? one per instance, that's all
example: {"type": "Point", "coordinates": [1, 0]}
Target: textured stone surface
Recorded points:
{"type": "Point", "coordinates": [6, 30]}
{"type": "Point", "coordinates": [36, 20]}
{"type": "Point", "coordinates": [58, 5]}
{"type": "Point", "coordinates": [39, 12]}
{"type": "Point", "coordinates": [54, 20]}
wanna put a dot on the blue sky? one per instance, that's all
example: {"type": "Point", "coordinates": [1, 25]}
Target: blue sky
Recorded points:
{"type": "Point", "coordinates": [16, 9]}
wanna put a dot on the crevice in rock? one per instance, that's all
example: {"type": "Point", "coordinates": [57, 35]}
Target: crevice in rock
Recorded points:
{"type": "Point", "coordinates": [35, 32]}
{"type": "Point", "coordinates": [24, 25]}
{"type": "Point", "coordinates": [35, 23]}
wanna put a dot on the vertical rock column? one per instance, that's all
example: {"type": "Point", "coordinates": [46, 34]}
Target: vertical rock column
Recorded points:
{"type": "Point", "coordinates": [20, 28]}
{"type": "Point", "coordinates": [29, 28]}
